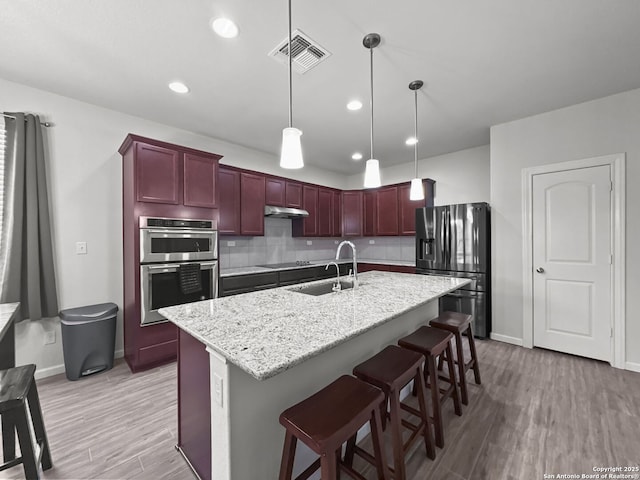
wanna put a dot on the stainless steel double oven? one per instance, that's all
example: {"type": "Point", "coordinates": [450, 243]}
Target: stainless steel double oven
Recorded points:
{"type": "Point", "coordinates": [178, 264]}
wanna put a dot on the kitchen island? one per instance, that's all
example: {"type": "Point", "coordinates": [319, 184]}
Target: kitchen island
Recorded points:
{"type": "Point", "coordinates": [268, 350]}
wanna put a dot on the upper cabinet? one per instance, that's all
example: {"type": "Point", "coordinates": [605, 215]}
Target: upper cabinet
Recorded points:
{"type": "Point", "coordinates": [229, 201]}
{"type": "Point", "coordinates": [325, 212]}
{"type": "Point", "coordinates": [157, 174]}
{"type": "Point", "coordinates": [293, 194]}
{"type": "Point", "coordinates": [407, 207]}
{"type": "Point", "coordinates": [386, 211]}
{"type": "Point", "coordinates": [352, 213]}
{"type": "Point", "coordinates": [336, 213]}
{"type": "Point", "coordinates": [308, 226]}
{"type": "Point", "coordinates": [252, 198]}
{"type": "Point", "coordinates": [275, 191]}
{"type": "Point", "coordinates": [200, 178]}
{"type": "Point", "coordinates": [369, 213]}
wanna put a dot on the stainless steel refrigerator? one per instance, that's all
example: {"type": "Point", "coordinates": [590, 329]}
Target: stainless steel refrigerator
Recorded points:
{"type": "Point", "coordinates": [454, 240]}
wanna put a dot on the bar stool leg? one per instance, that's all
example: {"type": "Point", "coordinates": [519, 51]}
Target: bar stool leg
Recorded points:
{"type": "Point", "coordinates": [378, 450]}
{"type": "Point", "coordinates": [428, 438]}
{"type": "Point", "coordinates": [435, 401]}
{"type": "Point", "coordinates": [288, 455]}
{"type": "Point", "coordinates": [38, 425]}
{"type": "Point", "coordinates": [461, 370]}
{"type": "Point", "coordinates": [8, 437]}
{"type": "Point", "coordinates": [452, 376]}
{"type": "Point", "coordinates": [396, 437]}
{"type": "Point", "coordinates": [474, 355]}
{"type": "Point", "coordinates": [328, 466]}
{"type": "Point", "coordinates": [26, 448]}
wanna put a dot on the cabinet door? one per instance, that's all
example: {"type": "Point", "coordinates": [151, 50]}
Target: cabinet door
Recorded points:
{"type": "Point", "coordinates": [336, 214]}
{"type": "Point", "coordinates": [325, 218]}
{"type": "Point", "coordinates": [274, 191]}
{"type": "Point", "coordinates": [310, 204]}
{"type": "Point", "coordinates": [352, 213]}
{"type": "Point", "coordinates": [229, 201]}
{"type": "Point", "coordinates": [407, 209]}
{"type": "Point", "coordinates": [293, 195]}
{"type": "Point", "coordinates": [200, 175]}
{"type": "Point", "coordinates": [157, 174]}
{"type": "Point", "coordinates": [252, 195]}
{"type": "Point", "coordinates": [387, 211]}
{"type": "Point", "coordinates": [369, 213]}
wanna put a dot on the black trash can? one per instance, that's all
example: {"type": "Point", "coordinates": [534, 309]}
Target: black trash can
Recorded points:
{"type": "Point", "coordinates": [88, 339]}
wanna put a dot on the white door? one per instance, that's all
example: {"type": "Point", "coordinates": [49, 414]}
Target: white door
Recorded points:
{"type": "Point", "coordinates": [572, 261]}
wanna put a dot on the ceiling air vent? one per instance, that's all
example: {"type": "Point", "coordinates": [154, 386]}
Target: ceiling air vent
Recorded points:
{"type": "Point", "coordinates": [306, 52]}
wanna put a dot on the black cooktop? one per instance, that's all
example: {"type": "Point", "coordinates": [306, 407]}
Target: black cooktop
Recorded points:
{"type": "Point", "coordinates": [298, 263]}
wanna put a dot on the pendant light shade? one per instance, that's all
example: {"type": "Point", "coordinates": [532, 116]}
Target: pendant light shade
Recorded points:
{"type": "Point", "coordinates": [291, 155]}
{"type": "Point", "coordinates": [372, 168]}
{"type": "Point", "coordinates": [416, 192]}
{"type": "Point", "coordinates": [291, 152]}
{"type": "Point", "coordinates": [372, 174]}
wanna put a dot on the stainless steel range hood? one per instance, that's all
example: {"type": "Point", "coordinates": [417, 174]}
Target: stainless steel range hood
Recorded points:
{"type": "Point", "coordinates": [284, 212]}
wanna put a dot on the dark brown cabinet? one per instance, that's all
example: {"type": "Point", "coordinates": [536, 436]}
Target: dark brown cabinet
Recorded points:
{"type": "Point", "coordinates": [159, 179]}
{"type": "Point", "coordinates": [369, 213]}
{"type": "Point", "coordinates": [308, 226]}
{"type": "Point", "coordinates": [336, 214]}
{"type": "Point", "coordinates": [407, 207]}
{"type": "Point", "coordinates": [352, 213]}
{"type": "Point", "coordinates": [157, 174]}
{"type": "Point", "coordinates": [275, 191]}
{"type": "Point", "coordinates": [386, 211]}
{"type": "Point", "coordinates": [200, 178]}
{"type": "Point", "coordinates": [293, 194]}
{"type": "Point", "coordinates": [252, 198]}
{"type": "Point", "coordinates": [325, 217]}
{"type": "Point", "coordinates": [229, 201]}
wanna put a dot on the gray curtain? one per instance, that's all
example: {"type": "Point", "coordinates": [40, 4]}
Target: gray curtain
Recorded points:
{"type": "Point", "coordinates": [26, 251]}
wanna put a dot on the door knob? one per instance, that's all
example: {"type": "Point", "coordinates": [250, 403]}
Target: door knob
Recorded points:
{"type": "Point", "coordinates": [540, 270]}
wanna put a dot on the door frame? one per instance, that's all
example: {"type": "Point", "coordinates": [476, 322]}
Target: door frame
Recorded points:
{"type": "Point", "coordinates": [617, 165]}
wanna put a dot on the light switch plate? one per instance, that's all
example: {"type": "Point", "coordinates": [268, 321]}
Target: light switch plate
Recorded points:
{"type": "Point", "coordinates": [49, 337]}
{"type": "Point", "coordinates": [231, 243]}
{"type": "Point", "coordinates": [217, 388]}
{"type": "Point", "coordinates": [81, 248]}
{"type": "Point", "coordinates": [372, 242]}
{"type": "Point", "coordinates": [309, 242]}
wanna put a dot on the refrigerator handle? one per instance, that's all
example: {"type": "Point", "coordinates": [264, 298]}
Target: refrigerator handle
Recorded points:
{"type": "Point", "coordinates": [443, 236]}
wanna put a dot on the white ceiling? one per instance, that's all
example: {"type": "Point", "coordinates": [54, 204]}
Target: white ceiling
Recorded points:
{"type": "Point", "coordinates": [483, 63]}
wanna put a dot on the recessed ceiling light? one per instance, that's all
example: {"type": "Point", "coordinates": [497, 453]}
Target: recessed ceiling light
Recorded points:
{"type": "Point", "coordinates": [357, 156]}
{"type": "Point", "coordinates": [224, 27]}
{"type": "Point", "coordinates": [411, 141]}
{"type": "Point", "coordinates": [354, 105]}
{"type": "Point", "coordinates": [179, 87]}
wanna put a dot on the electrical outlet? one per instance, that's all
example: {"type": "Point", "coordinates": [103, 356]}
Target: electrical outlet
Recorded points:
{"type": "Point", "coordinates": [81, 248]}
{"type": "Point", "coordinates": [49, 337]}
{"type": "Point", "coordinates": [372, 242]}
{"type": "Point", "coordinates": [217, 388]}
{"type": "Point", "coordinates": [309, 242]}
{"type": "Point", "coordinates": [231, 243]}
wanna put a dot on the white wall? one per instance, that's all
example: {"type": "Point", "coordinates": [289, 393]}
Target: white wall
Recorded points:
{"type": "Point", "coordinates": [461, 177]}
{"type": "Point", "coordinates": [85, 180]}
{"type": "Point", "coordinates": [606, 126]}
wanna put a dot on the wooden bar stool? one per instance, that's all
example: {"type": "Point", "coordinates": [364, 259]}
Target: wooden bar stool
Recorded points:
{"type": "Point", "coordinates": [391, 370]}
{"type": "Point", "coordinates": [459, 323]}
{"type": "Point", "coordinates": [433, 344]}
{"type": "Point", "coordinates": [17, 390]}
{"type": "Point", "coordinates": [326, 420]}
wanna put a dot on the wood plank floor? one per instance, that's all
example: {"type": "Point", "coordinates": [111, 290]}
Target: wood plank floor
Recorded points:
{"type": "Point", "coordinates": [536, 412]}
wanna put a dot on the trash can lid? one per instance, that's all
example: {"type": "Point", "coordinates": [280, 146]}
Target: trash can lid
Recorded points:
{"type": "Point", "coordinates": [90, 313]}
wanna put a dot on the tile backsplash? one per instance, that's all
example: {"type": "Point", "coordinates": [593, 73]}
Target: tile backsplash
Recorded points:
{"type": "Point", "coordinates": [278, 246]}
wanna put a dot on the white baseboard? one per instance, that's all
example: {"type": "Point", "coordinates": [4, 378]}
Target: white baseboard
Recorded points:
{"type": "Point", "coordinates": [506, 339]}
{"type": "Point", "coordinates": [634, 367]}
{"type": "Point", "coordinates": [58, 369]}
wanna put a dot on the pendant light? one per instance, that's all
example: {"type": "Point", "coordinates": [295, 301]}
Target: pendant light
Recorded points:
{"type": "Point", "coordinates": [416, 192]}
{"type": "Point", "coordinates": [291, 153]}
{"type": "Point", "coordinates": [372, 168]}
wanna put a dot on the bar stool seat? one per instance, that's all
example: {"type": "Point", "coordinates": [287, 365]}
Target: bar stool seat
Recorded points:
{"type": "Point", "coordinates": [391, 370]}
{"type": "Point", "coordinates": [17, 392]}
{"type": "Point", "coordinates": [328, 419]}
{"type": "Point", "coordinates": [433, 344]}
{"type": "Point", "coordinates": [458, 324]}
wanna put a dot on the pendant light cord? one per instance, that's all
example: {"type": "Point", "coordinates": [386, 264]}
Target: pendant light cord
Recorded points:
{"type": "Point", "coordinates": [290, 77]}
{"type": "Point", "coordinates": [415, 135]}
{"type": "Point", "coordinates": [371, 101]}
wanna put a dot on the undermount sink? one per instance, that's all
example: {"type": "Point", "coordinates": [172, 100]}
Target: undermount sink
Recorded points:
{"type": "Point", "coordinates": [322, 289]}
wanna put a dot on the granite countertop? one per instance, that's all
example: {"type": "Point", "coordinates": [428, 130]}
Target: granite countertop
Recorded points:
{"type": "Point", "coordinates": [267, 332]}
{"type": "Point", "coordinates": [7, 313]}
{"type": "Point", "coordinates": [230, 272]}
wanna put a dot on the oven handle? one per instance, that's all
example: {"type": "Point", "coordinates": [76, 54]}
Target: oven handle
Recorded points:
{"type": "Point", "coordinates": [176, 265]}
{"type": "Point", "coordinates": [179, 231]}
{"type": "Point", "coordinates": [462, 295]}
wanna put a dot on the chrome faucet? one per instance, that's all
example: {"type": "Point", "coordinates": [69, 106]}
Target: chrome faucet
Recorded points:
{"type": "Point", "coordinates": [337, 286]}
{"type": "Point", "coordinates": [355, 262]}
